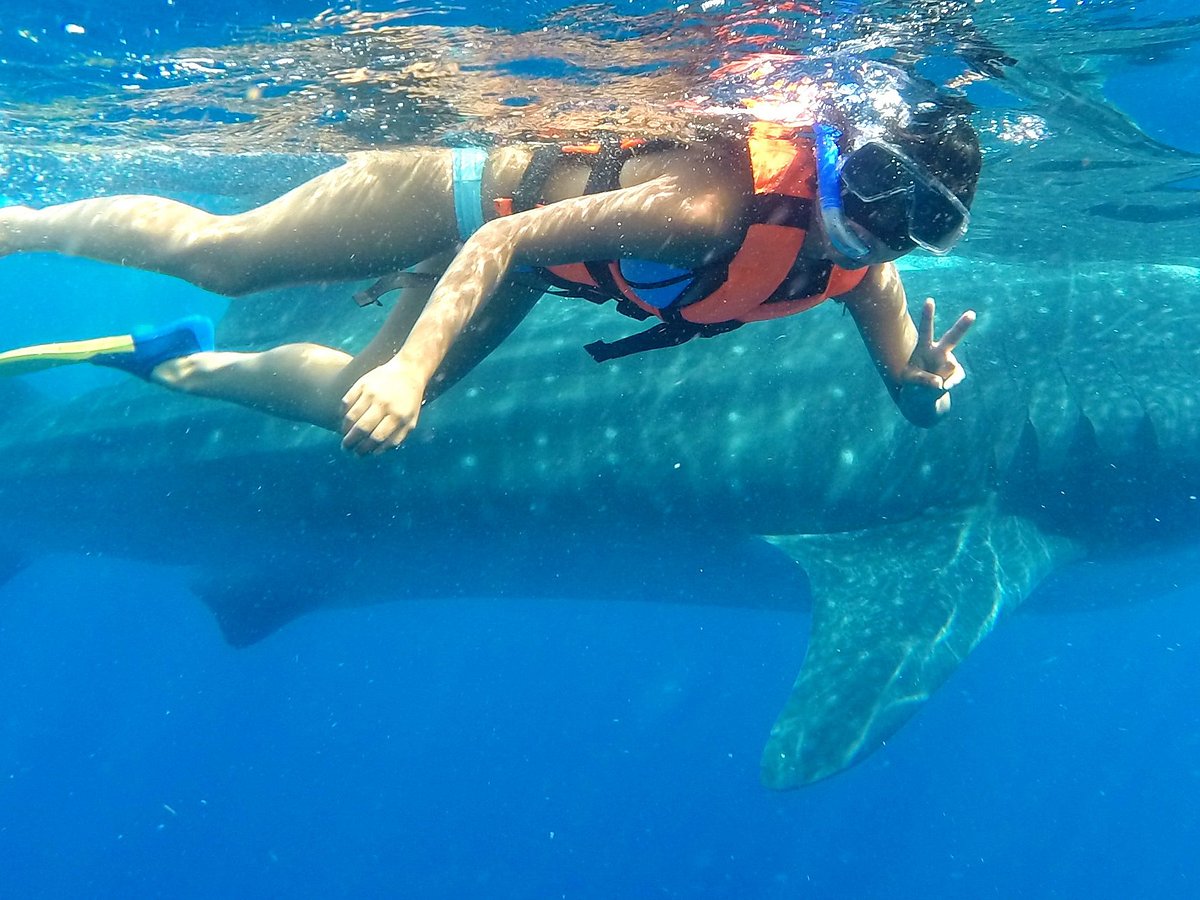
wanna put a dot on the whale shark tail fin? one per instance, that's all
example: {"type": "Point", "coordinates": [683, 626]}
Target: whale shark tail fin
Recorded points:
{"type": "Point", "coordinates": [17, 399]}
{"type": "Point", "coordinates": [895, 610]}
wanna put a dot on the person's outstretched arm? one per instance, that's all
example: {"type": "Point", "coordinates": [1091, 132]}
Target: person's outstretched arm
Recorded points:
{"type": "Point", "coordinates": [918, 370]}
{"type": "Point", "coordinates": [655, 220]}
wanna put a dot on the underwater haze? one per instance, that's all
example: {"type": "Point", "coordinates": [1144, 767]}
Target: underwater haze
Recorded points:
{"type": "Point", "coordinates": [600, 737]}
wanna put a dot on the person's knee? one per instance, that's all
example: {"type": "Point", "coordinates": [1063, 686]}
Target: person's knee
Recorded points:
{"type": "Point", "coordinates": [219, 260]}
{"type": "Point", "coordinates": [221, 275]}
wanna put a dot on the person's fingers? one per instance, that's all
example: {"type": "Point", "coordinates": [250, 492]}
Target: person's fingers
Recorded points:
{"type": "Point", "coordinates": [353, 440]}
{"type": "Point", "coordinates": [392, 441]}
{"type": "Point", "coordinates": [354, 431]}
{"type": "Point", "coordinates": [387, 435]}
{"type": "Point", "coordinates": [358, 433]}
{"type": "Point", "coordinates": [957, 374]}
{"type": "Point", "coordinates": [955, 332]}
{"type": "Point", "coordinates": [358, 420]}
{"type": "Point", "coordinates": [350, 400]}
{"type": "Point", "coordinates": [925, 379]}
{"type": "Point", "coordinates": [925, 329]}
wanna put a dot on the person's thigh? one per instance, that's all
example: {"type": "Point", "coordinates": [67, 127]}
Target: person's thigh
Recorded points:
{"type": "Point", "coordinates": [377, 213]}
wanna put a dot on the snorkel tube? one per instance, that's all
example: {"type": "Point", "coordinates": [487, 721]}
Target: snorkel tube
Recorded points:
{"type": "Point", "coordinates": [829, 193]}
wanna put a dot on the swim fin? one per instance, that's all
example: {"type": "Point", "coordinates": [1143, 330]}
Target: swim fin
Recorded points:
{"type": "Point", "coordinates": [150, 347]}
{"type": "Point", "coordinates": [137, 353]}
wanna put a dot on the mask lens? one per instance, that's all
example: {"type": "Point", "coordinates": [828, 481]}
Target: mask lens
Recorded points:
{"type": "Point", "coordinates": [935, 217]}
{"type": "Point", "coordinates": [935, 221]}
{"type": "Point", "coordinates": [873, 171]}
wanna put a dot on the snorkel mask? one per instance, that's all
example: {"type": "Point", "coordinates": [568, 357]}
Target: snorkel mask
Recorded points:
{"type": "Point", "coordinates": [935, 219]}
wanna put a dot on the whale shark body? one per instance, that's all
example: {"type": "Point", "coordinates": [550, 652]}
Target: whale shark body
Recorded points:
{"type": "Point", "coordinates": [1073, 443]}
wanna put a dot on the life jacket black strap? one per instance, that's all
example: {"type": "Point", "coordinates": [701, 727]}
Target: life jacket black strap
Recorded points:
{"type": "Point", "coordinates": [606, 165]}
{"type": "Point", "coordinates": [564, 288]}
{"type": "Point", "coordinates": [531, 189]}
{"type": "Point", "coordinates": [667, 334]}
{"type": "Point", "coordinates": [780, 209]}
{"type": "Point", "coordinates": [603, 276]}
{"type": "Point", "coordinates": [807, 278]}
{"type": "Point", "coordinates": [664, 283]}
{"type": "Point", "coordinates": [592, 295]}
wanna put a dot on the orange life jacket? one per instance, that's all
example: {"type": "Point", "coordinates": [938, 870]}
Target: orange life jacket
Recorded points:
{"type": "Point", "coordinates": [765, 278]}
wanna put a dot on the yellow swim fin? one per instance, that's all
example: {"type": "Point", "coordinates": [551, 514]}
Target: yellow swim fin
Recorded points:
{"type": "Point", "coordinates": [137, 353]}
{"type": "Point", "coordinates": [64, 353]}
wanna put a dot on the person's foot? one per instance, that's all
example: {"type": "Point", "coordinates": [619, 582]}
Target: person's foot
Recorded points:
{"type": "Point", "coordinates": [153, 347]}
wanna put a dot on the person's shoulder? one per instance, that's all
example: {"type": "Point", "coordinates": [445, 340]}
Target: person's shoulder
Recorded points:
{"type": "Point", "coordinates": [721, 149]}
{"type": "Point", "coordinates": [718, 165]}
{"type": "Point", "coordinates": [877, 282]}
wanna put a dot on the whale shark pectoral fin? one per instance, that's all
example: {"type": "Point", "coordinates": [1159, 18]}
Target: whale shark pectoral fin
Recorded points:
{"type": "Point", "coordinates": [252, 608]}
{"type": "Point", "coordinates": [12, 563]}
{"type": "Point", "coordinates": [895, 610]}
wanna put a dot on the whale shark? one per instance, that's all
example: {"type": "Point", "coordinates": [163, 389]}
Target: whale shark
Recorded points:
{"type": "Point", "coordinates": [1072, 446]}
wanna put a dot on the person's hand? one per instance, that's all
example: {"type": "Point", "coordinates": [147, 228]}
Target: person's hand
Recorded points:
{"type": "Point", "coordinates": [381, 409]}
{"type": "Point", "coordinates": [932, 369]}
{"type": "Point", "coordinates": [932, 363]}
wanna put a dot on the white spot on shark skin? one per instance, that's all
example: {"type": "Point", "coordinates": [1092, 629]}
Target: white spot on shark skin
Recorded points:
{"type": "Point", "coordinates": [610, 433]}
{"type": "Point", "coordinates": [469, 461]}
{"type": "Point", "coordinates": [847, 457]}
{"type": "Point", "coordinates": [542, 440]}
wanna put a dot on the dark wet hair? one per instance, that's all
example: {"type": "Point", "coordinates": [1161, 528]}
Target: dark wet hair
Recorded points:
{"type": "Point", "coordinates": [941, 139]}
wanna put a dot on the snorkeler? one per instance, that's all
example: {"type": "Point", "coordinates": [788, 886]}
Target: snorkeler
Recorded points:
{"type": "Point", "coordinates": [703, 237]}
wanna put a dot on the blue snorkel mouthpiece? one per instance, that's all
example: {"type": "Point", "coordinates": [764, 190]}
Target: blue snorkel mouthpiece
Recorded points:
{"type": "Point", "coordinates": [829, 193]}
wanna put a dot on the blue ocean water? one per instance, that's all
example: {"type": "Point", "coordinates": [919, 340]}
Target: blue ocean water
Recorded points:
{"type": "Point", "coordinates": [467, 748]}
{"type": "Point", "coordinates": [532, 748]}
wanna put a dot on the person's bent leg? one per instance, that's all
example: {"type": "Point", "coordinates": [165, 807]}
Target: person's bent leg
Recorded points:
{"type": "Point", "coordinates": [306, 382]}
{"type": "Point", "coordinates": [302, 382]}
